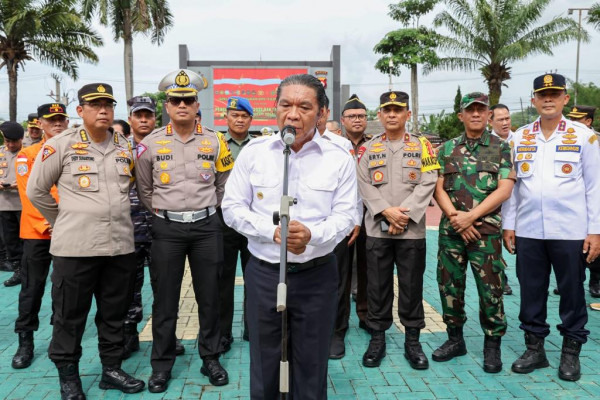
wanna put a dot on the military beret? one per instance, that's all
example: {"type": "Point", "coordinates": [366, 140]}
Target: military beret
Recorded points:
{"type": "Point", "coordinates": [12, 130]}
{"type": "Point", "coordinates": [181, 83]}
{"type": "Point", "coordinates": [51, 109]}
{"type": "Point", "coordinates": [138, 103]}
{"type": "Point", "coordinates": [240, 104]}
{"type": "Point", "coordinates": [354, 103]}
{"type": "Point", "coordinates": [95, 91]}
{"type": "Point", "coordinates": [549, 81]}
{"type": "Point", "coordinates": [474, 97]}
{"type": "Point", "coordinates": [399, 99]}
{"type": "Point", "coordinates": [582, 112]}
{"type": "Point", "coordinates": [33, 121]}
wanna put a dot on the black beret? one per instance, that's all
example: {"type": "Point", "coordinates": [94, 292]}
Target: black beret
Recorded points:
{"type": "Point", "coordinates": [12, 130]}
{"type": "Point", "coordinates": [354, 103]}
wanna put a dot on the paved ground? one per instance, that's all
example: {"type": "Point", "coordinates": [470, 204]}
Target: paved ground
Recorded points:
{"type": "Point", "coordinates": [460, 378]}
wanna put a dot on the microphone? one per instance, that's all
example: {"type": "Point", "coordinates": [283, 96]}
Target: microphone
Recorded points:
{"type": "Point", "coordinates": [288, 135]}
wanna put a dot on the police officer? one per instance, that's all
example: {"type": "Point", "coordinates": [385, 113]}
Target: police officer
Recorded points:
{"type": "Point", "coordinates": [338, 347]}
{"type": "Point", "coordinates": [322, 177]}
{"type": "Point", "coordinates": [35, 232]}
{"type": "Point", "coordinates": [10, 203]}
{"type": "Point", "coordinates": [239, 118]}
{"type": "Point", "coordinates": [354, 119]}
{"type": "Point", "coordinates": [92, 238]}
{"type": "Point", "coordinates": [396, 177]}
{"type": "Point", "coordinates": [34, 130]}
{"type": "Point", "coordinates": [181, 171]}
{"type": "Point", "coordinates": [552, 217]}
{"type": "Point", "coordinates": [475, 178]}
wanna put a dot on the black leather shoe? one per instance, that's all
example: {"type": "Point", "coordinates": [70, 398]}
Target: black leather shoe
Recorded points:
{"type": "Point", "coordinates": [376, 350]}
{"type": "Point", "coordinates": [413, 351]}
{"type": "Point", "coordinates": [569, 369]}
{"type": "Point", "coordinates": [533, 358]}
{"type": "Point", "coordinates": [159, 381]}
{"type": "Point", "coordinates": [453, 347]}
{"type": "Point", "coordinates": [507, 290]}
{"type": "Point", "coordinates": [492, 355]}
{"type": "Point", "coordinates": [116, 378]}
{"type": "Point", "coordinates": [215, 372]}
{"type": "Point", "coordinates": [6, 266]}
{"type": "Point", "coordinates": [226, 342]}
{"type": "Point", "coordinates": [15, 279]}
{"type": "Point", "coordinates": [70, 383]}
{"type": "Point", "coordinates": [24, 355]}
{"type": "Point", "coordinates": [179, 349]}
{"type": "Point", "coordinates": [337, 348]}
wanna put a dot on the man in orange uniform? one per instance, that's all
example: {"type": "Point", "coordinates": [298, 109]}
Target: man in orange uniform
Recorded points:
{"type": "Point", "coordinates": [35, 232]}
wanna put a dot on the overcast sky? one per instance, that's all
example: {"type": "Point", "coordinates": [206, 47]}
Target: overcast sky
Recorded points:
{"type": "Point", "coordinates": [294, 30]}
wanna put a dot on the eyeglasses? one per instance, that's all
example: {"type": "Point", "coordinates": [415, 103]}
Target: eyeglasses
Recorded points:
{"type": "Point", "coordinates": [96, 105]}
{"type": "Point", "coordinates": [352, 117]}
{"type": "Point", "coordinates": [175, 101]}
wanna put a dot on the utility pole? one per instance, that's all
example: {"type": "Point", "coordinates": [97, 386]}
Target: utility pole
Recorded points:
{"type": "Point", "coordinates": [391, 65]}
{"type": "Point", "coordinates": [579, 10]}
{"type": "Point", "coordinates": [57, 96]}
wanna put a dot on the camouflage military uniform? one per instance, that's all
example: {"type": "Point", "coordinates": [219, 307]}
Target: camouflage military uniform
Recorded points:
{"type": "Point", "coordinates": [471, 170]}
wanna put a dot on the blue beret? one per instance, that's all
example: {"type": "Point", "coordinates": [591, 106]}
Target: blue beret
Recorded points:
{"type": "Point", "coordinates": [239, 103]}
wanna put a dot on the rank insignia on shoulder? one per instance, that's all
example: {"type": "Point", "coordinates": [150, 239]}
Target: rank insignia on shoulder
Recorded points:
{"type": "Point", "coordinates": [164, 150]}
{"type": "Point", "coordinates": [47, 152]}
{"type": "Point", "coordinates": [592, 139]}
{"type": "Point", "coordinates": [162, 142]}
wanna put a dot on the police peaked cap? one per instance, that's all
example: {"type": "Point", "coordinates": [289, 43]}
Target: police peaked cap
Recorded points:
{"type": "Point", "coordinates": [181, 83]}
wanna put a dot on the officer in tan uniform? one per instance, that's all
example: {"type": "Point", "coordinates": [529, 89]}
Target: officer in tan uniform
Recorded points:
{"type": "Point", "coordinates": [181, 171]}
{"type": "Point", "coordinates": [397, 173]}
{"type": "Point", "coordinates": [92, 238]}
{"type": "Point", "coordinates": [34, 130]}
{"type": "Point", "coordinates": [10, 203]}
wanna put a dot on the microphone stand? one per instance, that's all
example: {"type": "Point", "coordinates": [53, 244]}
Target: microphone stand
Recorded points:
{"type": "Point", "coordinates": [283, 216]}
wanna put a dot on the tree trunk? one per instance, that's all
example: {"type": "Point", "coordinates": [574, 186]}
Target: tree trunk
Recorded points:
{"type": "Point", "coordinates": [414, 94]}
{"type": "Point", "coordinates": [128, 52]}
{"type": "Point", "coordinates": [495, 88]}
{"type": "Point", "coordinates": [11, 68]}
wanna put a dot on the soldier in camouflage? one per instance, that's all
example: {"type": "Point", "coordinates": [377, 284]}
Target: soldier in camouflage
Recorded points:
{"type": "Point", "coordinates": [475, 178]}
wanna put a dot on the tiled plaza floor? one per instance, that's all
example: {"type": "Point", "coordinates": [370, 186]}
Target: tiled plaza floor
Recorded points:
{"type": "Point", "coordinates": [460, 378]}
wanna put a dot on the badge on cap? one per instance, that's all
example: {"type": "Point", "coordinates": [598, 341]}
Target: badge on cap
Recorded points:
{"type": "Point", "coordinates": [182, 79]}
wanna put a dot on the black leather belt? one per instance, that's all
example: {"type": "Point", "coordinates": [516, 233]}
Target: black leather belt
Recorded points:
{"type": "Point", "coordinates": [299, 267]}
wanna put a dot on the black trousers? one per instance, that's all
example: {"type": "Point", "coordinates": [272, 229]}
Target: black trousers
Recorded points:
{"type": "Point", "coordinates": [360, 246]}
{"type": "Point", "coordinates": [142, 258]}
{"type": "Point", "coordinates": [233, 243]}
{"type": "Point", "coordinates": [311, 308]}
{"type": "Point", "coordinates": [342, 255]}
{"type": "Point", "coordinates": [75, 280]}
{"type": "Point", "coordinates": [409, 257]}
{"type": "Point", "coordinates": [202, 243]}
{"type": "Point", "coordinates": [535, 258]}
{"type": "Point", "coordinates": [10, 224]}
{"type": "Point", "coordinates": [34, 272]}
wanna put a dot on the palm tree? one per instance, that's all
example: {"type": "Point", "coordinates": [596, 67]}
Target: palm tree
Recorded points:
{"type": "Point", "coordinates": [490, 34]}
{"type": "Point", "coordinates": [50, 32]}
{"type": "Point", "coordinates": [594, 16]}
{"type": "Point", "coordinates": [127, 17]}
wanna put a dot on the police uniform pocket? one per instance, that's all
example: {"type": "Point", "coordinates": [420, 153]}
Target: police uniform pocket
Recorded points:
{"type": "Point", "coordinates": [379, 176]}
{"type": "Point", "coordinates": [411, 170]}
{"type": "Point", "coordinates": [206, 171]}
{"type": "Point", "coordinates": [124, 176]}
{"type": "Point", "coordinates": [566, 164]}
{"type": "Point", "coordinates": [85, 176]}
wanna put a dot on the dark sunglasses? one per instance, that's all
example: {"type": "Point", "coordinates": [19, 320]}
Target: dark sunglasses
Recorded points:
{"type": "Point", "coordinates": [175, 101]}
